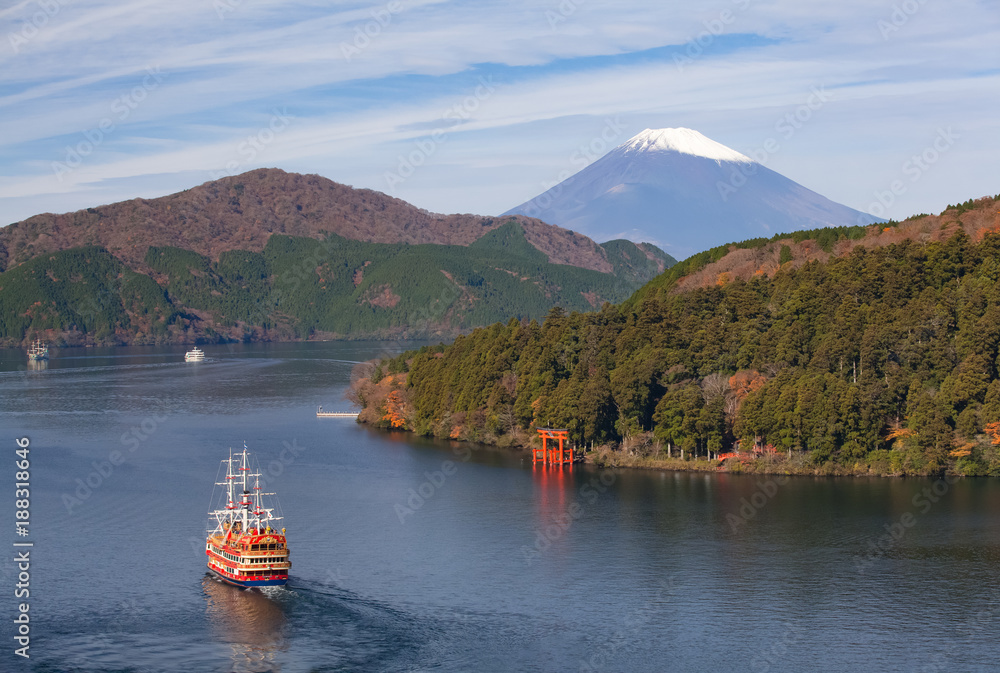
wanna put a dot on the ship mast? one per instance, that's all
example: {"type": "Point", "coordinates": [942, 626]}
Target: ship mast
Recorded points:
{"type": "Point", "coordinates": [245, 507]}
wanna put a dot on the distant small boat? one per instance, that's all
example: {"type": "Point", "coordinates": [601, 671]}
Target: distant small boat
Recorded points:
{"type": "Point", "coordinates": [335, 414]}
{"type": "Point", "coordinates": [38, 351]}
{"type": "Point", "coordinates": [194, 355]}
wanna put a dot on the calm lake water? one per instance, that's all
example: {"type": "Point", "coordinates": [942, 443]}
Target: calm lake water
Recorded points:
{"type": "Point", "coordinates": [412, 555]}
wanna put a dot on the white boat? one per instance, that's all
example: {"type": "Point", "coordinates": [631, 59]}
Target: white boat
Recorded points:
{"type": "Point", "coordinates": [194, 355]}
{"type": "Point", "coordinates": [38, 351]}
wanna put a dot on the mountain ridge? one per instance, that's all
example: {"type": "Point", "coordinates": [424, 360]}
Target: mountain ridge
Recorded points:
{"type": "Point", "coordinates": [746, 260]}
{"type": "Point", "coordinates": [241, 212]}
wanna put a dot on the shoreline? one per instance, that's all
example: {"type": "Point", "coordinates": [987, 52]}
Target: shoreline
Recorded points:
{"type": "Point", "coordinates": [201, 340]}
{"type": "Point", "coordinates": [797, 466]}
{"type": "Point", "coordinates": [759, 466]}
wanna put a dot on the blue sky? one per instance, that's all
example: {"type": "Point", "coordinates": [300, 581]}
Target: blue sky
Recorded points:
{"type": "Point", "coordinates": [460, 106]}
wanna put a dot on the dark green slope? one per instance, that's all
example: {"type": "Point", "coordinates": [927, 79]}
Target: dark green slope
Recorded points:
{"type": "Point", "coordinates": [297, 287]}
{"type": "Point", "coordinates": [85, 290]}
{"type": "Point", "coordinates": [509, 239]}
{"type": "Point", "coordinates": [632, 261]}
{"type": "Point", "coordinates": [886, 360]}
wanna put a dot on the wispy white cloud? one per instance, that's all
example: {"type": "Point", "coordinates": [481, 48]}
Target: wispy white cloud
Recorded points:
{"type": "Point", "coordinates": [359, 100]}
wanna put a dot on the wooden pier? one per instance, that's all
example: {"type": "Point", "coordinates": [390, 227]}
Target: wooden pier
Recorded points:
{"type": "Point", "coordinates": [335, 414]}
{"type": "Point", "coordinates": [552, 455]}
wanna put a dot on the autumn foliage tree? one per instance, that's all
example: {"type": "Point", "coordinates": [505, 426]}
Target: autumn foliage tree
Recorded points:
{"type": "Point", "coordinates": [395, 410]}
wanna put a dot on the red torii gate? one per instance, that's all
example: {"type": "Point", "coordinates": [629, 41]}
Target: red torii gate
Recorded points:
{"type": "Point", "coordinates": [551, 455]}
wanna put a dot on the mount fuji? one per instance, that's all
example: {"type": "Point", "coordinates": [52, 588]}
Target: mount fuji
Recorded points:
{"type": "Point", "coordinates": [685, 193]}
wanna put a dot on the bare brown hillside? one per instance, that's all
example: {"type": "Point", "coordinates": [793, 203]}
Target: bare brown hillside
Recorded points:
{"type": "Point", "coordinates": [744, 263]}
{"type": "Point", "coordinates": [242, 212]}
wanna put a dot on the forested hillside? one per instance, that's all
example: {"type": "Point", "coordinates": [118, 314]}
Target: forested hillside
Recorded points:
{"type": "Point", "coordinates": [884, 359]}
{"type": "Point", "coordinates": [297, 288]}
{"type": "Point", "coordinates": [87, 291]}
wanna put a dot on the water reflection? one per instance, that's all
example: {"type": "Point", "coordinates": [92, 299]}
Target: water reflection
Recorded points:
{"type": "Point", "coordinates": [252, 623]}
{"type": "Point", "coordinates": [554, 515]}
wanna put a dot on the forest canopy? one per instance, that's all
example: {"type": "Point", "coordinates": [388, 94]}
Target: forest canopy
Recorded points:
{"type": "Point", "coordinates": [885, 358]}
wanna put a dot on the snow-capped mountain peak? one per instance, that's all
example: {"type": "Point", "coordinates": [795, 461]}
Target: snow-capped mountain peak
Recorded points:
{"type": "Point", "coordinates": [685, 141]}
{"type": "Point", "coordinates": [683, 192]}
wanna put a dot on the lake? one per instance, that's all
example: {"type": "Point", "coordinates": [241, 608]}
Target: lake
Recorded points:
{"type": "Point", "coordinates": [418, 555]}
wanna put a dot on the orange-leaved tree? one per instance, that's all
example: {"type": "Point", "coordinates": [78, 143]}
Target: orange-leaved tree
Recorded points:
{"type": "Point", "coordinates": [993, 430]}
{"type": "Point", "coordinates": [395, 410]}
